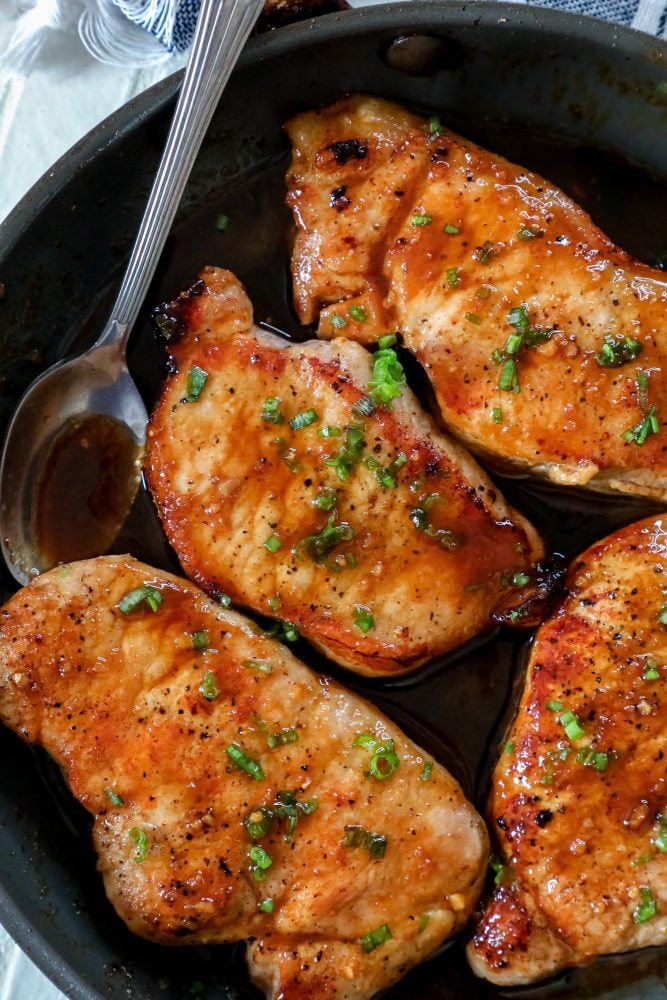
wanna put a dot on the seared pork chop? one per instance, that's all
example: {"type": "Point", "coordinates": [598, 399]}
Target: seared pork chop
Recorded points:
{"type": "Point", "coordinates": [579, 796]}
{"type": "Point", "coordinates": [235, 794]}
{"type": "Point", "coordinates": [544, 342]}
{"type": "Point", "coordinates": [284, 486]}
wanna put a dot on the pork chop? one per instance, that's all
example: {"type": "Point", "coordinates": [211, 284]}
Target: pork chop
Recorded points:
{"type": "Point", "coordinates": [545, 343]}
{"type": "Point", "coordinates": [235, 794]}
{"type": "Point", "coordinates": [579, 794]}
{"type": "Point", "coordinates": [286, 487]}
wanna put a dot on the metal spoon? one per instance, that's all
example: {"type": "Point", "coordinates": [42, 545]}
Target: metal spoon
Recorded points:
{"type": "Point", "coordinates": [62, 399]}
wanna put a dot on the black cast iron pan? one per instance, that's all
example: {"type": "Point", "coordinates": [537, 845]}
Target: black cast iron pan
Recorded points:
{"type": "Point", "coordinates": [583, 102]}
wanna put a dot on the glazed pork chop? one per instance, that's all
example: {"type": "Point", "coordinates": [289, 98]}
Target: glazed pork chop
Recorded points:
{"type": "Point", "coordinates": [235, 794]}
{"type": "Point", "coordinates": [283, 485]}
{"type": "Point", "coordinates": [544, 342]}
{"type": "Point", "coordinates": [579, 798]}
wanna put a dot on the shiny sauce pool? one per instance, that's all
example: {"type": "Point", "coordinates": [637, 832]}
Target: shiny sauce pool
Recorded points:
{"type": "Point", "coordinates": [86, 488]}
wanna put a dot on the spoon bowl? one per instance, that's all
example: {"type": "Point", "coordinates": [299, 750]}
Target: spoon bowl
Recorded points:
{"type": "Point", "coordinates": [71, 460]}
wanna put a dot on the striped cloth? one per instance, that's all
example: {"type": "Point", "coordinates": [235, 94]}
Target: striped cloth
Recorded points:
{"type": "Point", "coordinates": [172, 21]}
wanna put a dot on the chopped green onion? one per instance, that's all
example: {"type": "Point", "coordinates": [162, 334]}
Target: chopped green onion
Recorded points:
{"type": "Point", "coordinates": [555, 706]}
{"type": "Point", "coordinates": [473, 318]}
{"type": "Point", "coordinates": [387, 378]}
{"type": "Point", "coordinates": [241, 760]}
{"type": "Point", "coordinates": [509, 747]}
{"type": "Point", "coordinates": [196, 381]}
{"type": "Point", "coordinates": [434, 125]}
{"type": "Point", "coordinates": [283, 630]}
{"type": "Point", "coordinates": [453, 277]}
{"type": "Point", "coordinates": [503, 874]}
{"type": "Point", "coordinates": [484, 253]}
{"type": "Point", "coordinates": [140, 838]}
{"type": "Point", "coordinates": [209, 686]}
{"type": "Point", "coordinates": [363, 618]}
{"type": "Point", "coordinates": [225, 600]}
{"type": "Point", "coordinates": [648, 907]}
{"type": "Point", "coordinates": [389, 340]}
{"type": "Point", "coordinates": [222, 222]}
{"type": "Point", "coordinates": [337, 321]}
{"type": "Point", "coordinates": [357, 313]}
{"type": "Point", "coordinates": [593, 758]}
{"type": "Point", "coordinates": [649, 425]}
{"type": "Point", "coordinates": [114, 798]}
{"type": "Point", "coordinates": [509, 380]}
{"type": "Point", "coordinates": [571, 725]}
{"type": "Point", "coordinates": [350, 454]}
{"type": "Point", "coordinates": [497, 415]}
{"type": "Point", "coordinates": [420, 518]}
{"type": "Point", "coordinates": [200, 640]}
{"type": "Point", "coordinates": [384, 760]}
{"type": "Point", "coordinates": [529, 232]}
{"type": "Point", "coordinates": [662, 617]}
{"type": "Point", "coordinates": [318, 546]}
{"type": "Point", "coordinates": [520, 580]}
{"type": "Point", "coordinates": [651, 672]}
{"type": "Point", "coordinates": [363, 407]}
{"type": "Point", "coordinates": [271, 412]}
{"type": "Point", "coordinates": [326, 499]}
{"type": "Point", "coordinates": [303, 419]}
{"type": "Point", "coordinates": [380, 935]}
{"type": "Point", "coordinates": [660, 839]}
{"type": "Point", "coordinates": [288, 455]}
{"type": "Point", "coordinates": [615, 352]}
{"type": "Point", "coordinates": [261, 861]}
{"type": "Point", "coordinates": [329, 432]}
{"type": "Point", "coordinates": [266, 905]}
{"type": "Point", "coordinates": [282, 737]}
{"type": "Point", "coordinates": [261, 665]}
{"type": "Point", "coordinates": [258, 822]}
{"type": "Point", "coordinates": [357, 836]}
{"type": "Point", "coordinates": [421, 220]}
{"type": "Point", "coordinates": [150, 595]}
{"type": "Point", "coordinates": [272, 543]}
{"type": "Point", "coordinates": [275, 602]}
{"type": "Point", "coordinates": [423, 922]}
{"type": "Point", "coordinates": [451, 230]}
{"type": "Point", "coordinates": [426, 771]}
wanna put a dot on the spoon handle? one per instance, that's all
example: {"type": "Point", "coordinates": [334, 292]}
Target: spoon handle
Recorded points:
{"type": "Point", "coordinates": [223, 27]}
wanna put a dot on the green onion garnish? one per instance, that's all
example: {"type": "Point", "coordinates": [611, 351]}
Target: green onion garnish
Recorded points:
{"type": "Point", "coordinates": [150, 595]}
{"type": "Point", "coordinates": [318, 546]}
{"type": "Point", "coordinates": [593, 758]}
{"type": "Point", "coordinates": [484, 253]}
{"type": "Point", "coordinates": [660, 839]}
{"type": "Point", "coordinates": [520, 580]}
{"type": "Point", "coordinates": [387, 378]}
{"type": "Point", "coordinates": [503, 874]}
{"type": "Point", "coordinates": [473, 318]}
{"type": "Point", "coordinates": [555, 706]}
{"type": "Point", "coordinates": [389, 340]}
{"type": "Point", "coordinates": [421, 220]}
{"type": "Point", "coordinates": [508, 380]}
{"type": "Point", "coordinates": [222, 222]}
{"type": "Point", "coordinates": [271, 412]}
{"type": "Point", "coordinates": [209, 686]}
{"type": "Point", "coordinates": [272, 543]}
{"type": "Point", "coordinates": [140, 838]}
{"type": "Point", "coordinates": [426, 771]}
{"type": "Point", "coordinates": [258, 822]}
{"type": "Point", "coordinates": [275, 602]}
{"type": "Point", "coordinates": [647, 908]}
{"type": "Point", "coordinates": [453, 276]}
{"type": "Point", "coordinates": [266, 905]}
{"type": "Point", "coordinates": [651, 672]}
{"type": "Point", "coordinates": [282, 737]}
{"type": "Point", "coordinates": [615, 352]}
{"type": "Point", "coordinates": [261, 860]}
{"type": "Point", "coordinates": [384, 760]}
{"type": "Point", "coordinates": [370, 942]}
{"type": "Point", "coordinates": [662, 617]}
{"type": "Point", "coordinates": [509, 747]}
{"type": "Point", "coordinates": [648, 425]}
{"type": "Point", "coordinates": [225, 600]}
{"type": "Point", "coordinates": [420, 518]}
{"type": "Point", "coordinates": [329, 432]}
{"type": "Point", "coordinates": [497, 415]}
{"type": "Point", "coordinates": [326, 499]}
{"type": "Point", "coordinates": [357, 836]}
{"type": "Point", "coordinates": [451, 230]}
{"type": "Point", "coordinates": [241, 760]}
{"type": "Point", "coordinates": [200, 640]}
{"type": "Point", "coordinates": [337, 321]}
{"type": "Point", "coordinates": [363, 407]}
{"type": "Point", "coordinates": [529, 232]}
{"type": "Point", "coordinates": [571, 725]}
{"type": "Point", "coordinates": [261, 665]}
{"type": "Point", "coordinates": [196, 381]}
{"type": "Point", "coordinates": [423, 922]}
{"type": "Point", "coordinates": [114, 798]}
{"type": "Point", "coordinates": [357, 313]}
{"type": "Point", "coordinates": [350, 454]}
{"type": "Point", "coordinates": [303, 419]}
{"type": "Point", "coordinates": [434, 125]}
{"type": "Point", "coordinates": [363, 618]}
